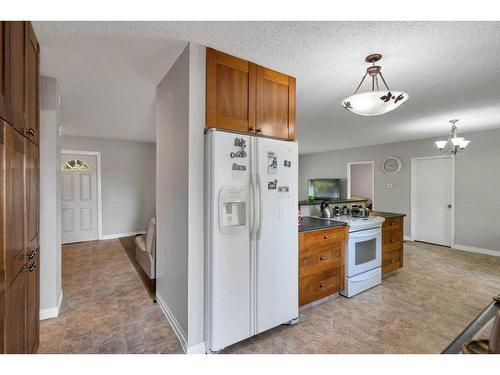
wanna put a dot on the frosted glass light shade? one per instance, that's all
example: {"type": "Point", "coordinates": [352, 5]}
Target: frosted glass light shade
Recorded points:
{"type": "Point", "coordinates": [457, 141]}
{"type": "Point", "coordinates": [441, 144]}
{"type": "Point", "coordinates": [463, 144]}
{"type": "Point", "coordinates": [373, 103]}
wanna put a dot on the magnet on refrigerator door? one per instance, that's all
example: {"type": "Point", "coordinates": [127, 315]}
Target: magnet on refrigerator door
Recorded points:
{"type": "Point", "coordinates": [272, 162]}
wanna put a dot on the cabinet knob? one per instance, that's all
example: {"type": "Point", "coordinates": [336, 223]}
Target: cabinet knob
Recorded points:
{"type": "Point", "coordinates": [392, 240]}
{"type": "Point", "coordinates": [393, 260]}
{"type": "Point", "coordinates": [321, 285]}
{"type": "Point", "coordinates": [31, 131]}
{"type": "Point", "coordinates": [325, 237]}
{"type": "Point", "coordinates": [250, 129]}
{"type": "Point", "coordinates": [31, 268]}
{"type": "Point", "coordinates": [391, 224]}
{"type": "Point", "coordinates": [322, 258]}
{"type": "Point", "coordinates": [259, 130]}
{"type": "Point", "coordinates": [31, 255]}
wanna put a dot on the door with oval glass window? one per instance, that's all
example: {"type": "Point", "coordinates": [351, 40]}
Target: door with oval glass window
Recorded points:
{"type": "Point", "coordinates": [78, 198]}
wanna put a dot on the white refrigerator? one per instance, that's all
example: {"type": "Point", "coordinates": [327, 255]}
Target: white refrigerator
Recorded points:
{"type": "Point", "coordinates": [251, 235]}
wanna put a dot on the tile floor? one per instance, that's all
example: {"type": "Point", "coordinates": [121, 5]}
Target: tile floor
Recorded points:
{"type": "Point", "coordinates": [418, 309]}
{"type": "Point", "coordinates": [105, 307]}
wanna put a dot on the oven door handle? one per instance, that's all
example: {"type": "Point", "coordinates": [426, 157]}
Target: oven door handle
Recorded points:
{"type": "Point", "coordinates": [365, 233]}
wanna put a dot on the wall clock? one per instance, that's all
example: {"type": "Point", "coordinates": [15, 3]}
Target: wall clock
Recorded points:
{"type": "Point", "coordinates": [391, 165]}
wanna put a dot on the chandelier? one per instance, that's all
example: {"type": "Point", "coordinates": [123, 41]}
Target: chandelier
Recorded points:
{"type": "Point", "coordinates": [454, 144]}
{"type": "Point", "coordinates": [374, 102]}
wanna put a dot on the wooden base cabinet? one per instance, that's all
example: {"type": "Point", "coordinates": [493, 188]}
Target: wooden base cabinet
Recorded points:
{"type": "Point", "coordinates": [392, 244]}
{"type": "Point", "coordinates": [321, 263]}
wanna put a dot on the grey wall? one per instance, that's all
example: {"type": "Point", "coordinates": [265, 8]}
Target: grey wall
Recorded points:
{"type": "Point", "coordinates": [180, 126]}
{"type": "Point", "coordinates": [477, 182]}
{"type": "Point", "coordinates": [128, 181]}
{"type": "Point", "coordinates": [361, 181]}
{"type": "Point", "coordinates": [50, 202]}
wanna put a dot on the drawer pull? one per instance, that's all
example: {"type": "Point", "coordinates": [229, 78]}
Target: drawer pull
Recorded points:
{"type": "Point", "coordinates": [322, 258]}
{"type": "Point", "coordinates": [31, 255]}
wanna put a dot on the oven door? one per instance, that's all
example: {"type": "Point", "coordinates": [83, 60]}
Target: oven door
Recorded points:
{"type": "Point", "coordinates": [365, 251]}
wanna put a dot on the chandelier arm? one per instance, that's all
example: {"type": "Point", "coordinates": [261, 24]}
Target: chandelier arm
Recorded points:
{"type": "Point", "coordinates": [357, 88]}
{"type": "Point", "coordinates": [373, 83]}
{"type": "Point", "coordinates": [376, 81]}
{"type": "Point", "coordinates": [385, 83]}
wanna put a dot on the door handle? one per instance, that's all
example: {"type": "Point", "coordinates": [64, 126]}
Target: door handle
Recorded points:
{"type": "Point", "coordinates": [449, 206]}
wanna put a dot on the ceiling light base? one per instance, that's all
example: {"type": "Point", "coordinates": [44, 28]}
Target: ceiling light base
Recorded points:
{"type": "Point", "coordinates": [373, 58]}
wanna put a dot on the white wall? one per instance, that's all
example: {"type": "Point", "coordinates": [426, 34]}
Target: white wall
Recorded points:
{"type": "Point", "coordinates": [50, 202]}
{"type": "Point", "coordinates": [128, 181]}
{"type": "Point", "coordinates": [477, 182]}
{"type": "Point", "coordinates": [361, 181]}
{"type": "Point", "coordinates": [180, 127]}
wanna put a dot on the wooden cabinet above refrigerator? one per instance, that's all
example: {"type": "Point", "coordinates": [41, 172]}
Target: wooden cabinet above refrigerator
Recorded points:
{"type": "Point", "coordinates": [244, 97]}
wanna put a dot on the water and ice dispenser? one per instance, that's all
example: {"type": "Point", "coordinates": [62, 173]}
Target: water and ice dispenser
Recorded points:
{"type": "Point", "coordinates": [233, 203]}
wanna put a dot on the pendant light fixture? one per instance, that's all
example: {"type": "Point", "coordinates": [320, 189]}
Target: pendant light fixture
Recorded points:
{"type": "Point", "coordinates": [454, 144]}
{"type": "Point", "coordinates": [375, 102]}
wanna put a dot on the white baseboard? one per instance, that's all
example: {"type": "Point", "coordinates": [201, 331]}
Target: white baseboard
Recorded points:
{"type": "Point", "coordinates": [52, 312]}
{"type": "Point", "coordinates": [407, 238]}
{"type": "Point", "coordinates": [181, 335]}
{"type": "Point", "coordinates": [119, 235]}
{"type": "Point", "coordinates": [478, 250]}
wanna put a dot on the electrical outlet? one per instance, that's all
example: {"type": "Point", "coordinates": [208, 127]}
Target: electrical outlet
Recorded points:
{"type": "Point", "coordinates": [388, 186]}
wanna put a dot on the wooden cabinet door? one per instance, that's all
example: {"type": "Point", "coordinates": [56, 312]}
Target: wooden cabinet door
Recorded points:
{"type": "Point", "coordinates": [2, 304]}
{"type": "Point", "coordinates": [32, 301]}
{"type": "Point", "coordinates": [15, 79]}
{"type": "Point", "coordinates": [14, 203]}
{"type": "Point", "coordinates": [3, 57]}
{"type": "Point", "coordinates": [31, 105]}
{"type": "Point", "coordinates": [2, 218]}
{"type": "Point", "coordinates": [15, 316]}
{"type": "Point", "coordinates": [32, 198]}
{"type": "Point", "coordinates": [230, 92]}
{"type": "Point", "coordinates": [275, 104]}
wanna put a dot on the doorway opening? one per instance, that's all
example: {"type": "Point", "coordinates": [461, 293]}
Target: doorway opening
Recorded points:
{"type": "Point", "coordinates": [361, 181]}
{"type": "Point", "coordinates": [432, 199]}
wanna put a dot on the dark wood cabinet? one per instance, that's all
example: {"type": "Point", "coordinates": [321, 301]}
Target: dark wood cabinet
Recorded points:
{"type": "Point", "coordinates": [392, 244]}
{"type": "Point", "coordinates": [275, 104]}
{"type": "Point", "coordinates": [32, 198]}
{"type": "Point", "coordinates": [15, 77]}
{"type": "Point", "coordinates": [14, 203]}
{"type": "Point", "coordinates": [19, 188]}
{"type": "Point", "coordinates": [321, 263]}
{"type": "Point", "coordinates": [3, 57]}
{"type": "Point", "coordinates": [32, 300]}
{"type": "Point", "coordinates": [31, 104]}
{"type": "Point", "coordinates": [242, 96]}
{"type": "Point", "coordinates": [15, 316]}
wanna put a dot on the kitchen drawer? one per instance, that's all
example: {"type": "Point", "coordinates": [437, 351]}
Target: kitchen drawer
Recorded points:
{"type": "Point", "coordinates": [395, 223]}
{"type": "Point", "coordinates": [321, 260]}
{"type": "Point", "coordinates": [392, 240]}
{"type": "Point", "coordinates": [391, 261]}
{"type": "Point", "coordinates": [311, 242]}
{"type": "Point", "coordinates": [320, 285]}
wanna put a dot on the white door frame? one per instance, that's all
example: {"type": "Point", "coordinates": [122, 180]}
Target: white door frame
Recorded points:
{"type": "Point", "coordinates": [97, 154]}
{"type": "Point", "coordinates": [412, 194]}
{"type": "Point", "coordinates": [349, 163]}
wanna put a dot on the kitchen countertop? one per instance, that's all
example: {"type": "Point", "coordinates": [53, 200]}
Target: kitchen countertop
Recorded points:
{"type": "Point", "coordinates": [330, 201]}
{"type": "Point", "coordinates": [309, 223]}
{"type": "Point", "coordinates": [386, 215]}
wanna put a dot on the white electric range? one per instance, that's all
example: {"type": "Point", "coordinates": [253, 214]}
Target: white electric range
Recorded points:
{"type": "Point", "coordinates": [363, 266]}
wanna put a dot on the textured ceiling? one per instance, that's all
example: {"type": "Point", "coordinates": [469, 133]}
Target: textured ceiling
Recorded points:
{"type": "Point", "coordinates": [108, 73]}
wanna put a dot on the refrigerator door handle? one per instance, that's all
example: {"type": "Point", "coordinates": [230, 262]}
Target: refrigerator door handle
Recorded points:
{"type": "Point", "coordinates": [258, 203]}
{"type": "Point", "coordinates": [252, 205]}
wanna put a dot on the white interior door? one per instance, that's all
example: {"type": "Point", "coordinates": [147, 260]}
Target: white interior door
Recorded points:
{"type": "Point", "coordinates": [432, 195]}
{"type": "Point", "coordinates": [78, 197]}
